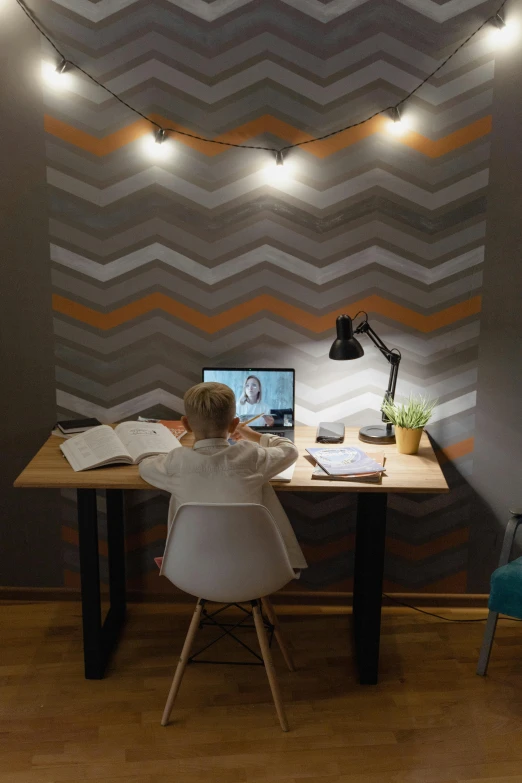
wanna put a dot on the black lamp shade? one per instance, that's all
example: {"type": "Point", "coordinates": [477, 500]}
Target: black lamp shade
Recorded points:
{"type": "Point", "coordinates": [345, 346]}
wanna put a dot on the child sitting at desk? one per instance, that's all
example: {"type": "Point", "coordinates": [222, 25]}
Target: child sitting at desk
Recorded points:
{"type": "Point", "coordinates": [214, 471]}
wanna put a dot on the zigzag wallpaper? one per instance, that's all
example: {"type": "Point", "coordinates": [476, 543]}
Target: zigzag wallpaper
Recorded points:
{"type": "Point", "coordinates": [162, 267]}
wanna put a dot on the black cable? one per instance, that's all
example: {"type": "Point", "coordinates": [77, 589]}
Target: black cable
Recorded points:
{"type": "Point", "coordinates": [32, 18]}
{"type": "Point", "coordinates": [439, 617]}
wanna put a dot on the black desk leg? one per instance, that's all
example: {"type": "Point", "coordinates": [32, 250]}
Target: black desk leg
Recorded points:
{"type": "Point", "coordinates": [367, 589]}
{"type": "Point", "coordinates": [99, 639]}
{"type": "Point", "coordinates": [116, 545]}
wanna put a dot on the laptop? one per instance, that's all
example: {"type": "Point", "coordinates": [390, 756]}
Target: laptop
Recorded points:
{"type": "Point", "coordinates": [264, 393]}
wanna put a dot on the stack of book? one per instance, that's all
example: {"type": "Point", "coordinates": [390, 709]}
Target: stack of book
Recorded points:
{"type": "Point", "coordinates": [347, 463]}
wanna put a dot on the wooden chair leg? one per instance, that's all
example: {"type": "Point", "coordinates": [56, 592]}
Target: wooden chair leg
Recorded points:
{"type": "Point", "coordinates": [274, 620]}
{"type": "Point", "coordinates": [269, 665]}
{"type": "Point", "coordinates": [182, 664]}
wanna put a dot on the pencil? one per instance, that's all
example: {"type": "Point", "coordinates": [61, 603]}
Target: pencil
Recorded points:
{"type": "Point", "coordinates": [252, 419]}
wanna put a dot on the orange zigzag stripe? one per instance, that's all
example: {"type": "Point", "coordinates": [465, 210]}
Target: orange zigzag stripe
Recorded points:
{"type": "Point", "coordinates": [264, 303]}
{"type": "Point", "coordinates": [455, 450]}
{"type": "Point", "coordinates": [268, 124]}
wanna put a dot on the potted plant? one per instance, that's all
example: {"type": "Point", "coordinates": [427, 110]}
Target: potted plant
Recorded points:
{"type": "Point", "coordinates": [409, 420]}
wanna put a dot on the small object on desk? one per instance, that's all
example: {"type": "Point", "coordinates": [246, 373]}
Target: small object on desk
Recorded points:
{"type": "Point", "coordinates": [174, 425]}
{"type": "Point", "coordinates": [330, 432]}
{"type": "Point", "coordinates": [73, 426]}
{"type": "Point", "coordinates": [368, 478]}
{"type": "Point", "coordinates": [128, 444]}
{"type": "Point", "coordinates": [345, 461]}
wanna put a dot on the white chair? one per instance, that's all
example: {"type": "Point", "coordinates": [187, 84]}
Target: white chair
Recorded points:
{"type": "Point", "coordinates": [230, 554]}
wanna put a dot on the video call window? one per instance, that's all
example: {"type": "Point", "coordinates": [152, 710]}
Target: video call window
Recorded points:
{"type": "Point", "coordinates": [266, 394]}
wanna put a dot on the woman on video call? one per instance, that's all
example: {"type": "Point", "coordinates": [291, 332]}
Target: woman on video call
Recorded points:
{"type": "Point", "coordinates": [251, 402]}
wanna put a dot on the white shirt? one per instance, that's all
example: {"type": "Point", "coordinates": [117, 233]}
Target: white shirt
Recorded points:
{"type": "Point", "coordinates": [213, 471]}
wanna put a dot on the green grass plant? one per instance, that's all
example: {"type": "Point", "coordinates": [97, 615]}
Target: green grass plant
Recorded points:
{"type": "Point", "coordinates": [411, 415]}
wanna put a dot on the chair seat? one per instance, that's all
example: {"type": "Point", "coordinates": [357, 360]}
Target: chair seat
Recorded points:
{"type": "Point", "coordinates": [506, 589]}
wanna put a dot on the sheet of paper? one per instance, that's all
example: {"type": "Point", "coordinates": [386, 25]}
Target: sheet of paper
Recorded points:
{"type": "Point", "coordinates": [285, 475]}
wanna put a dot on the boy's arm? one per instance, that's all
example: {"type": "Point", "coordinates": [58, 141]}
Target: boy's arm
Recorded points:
{"type": "Point", "coordinates": [153, 470]}
{"type": "Point", "coordinates": [275, 454]}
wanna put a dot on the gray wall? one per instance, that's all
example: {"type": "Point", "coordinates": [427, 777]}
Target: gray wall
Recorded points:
{"type": "Point", "coordinates": [497, 473]}
{"type": "Point", "coordinates": [30, 553]}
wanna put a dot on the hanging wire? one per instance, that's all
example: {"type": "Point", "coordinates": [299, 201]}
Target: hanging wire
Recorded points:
{"type": "Point", "coordinates": [393, 107]}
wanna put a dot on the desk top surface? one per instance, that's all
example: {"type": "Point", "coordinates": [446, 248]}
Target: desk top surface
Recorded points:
{"type": "Point", "coordinates": [404, 473]}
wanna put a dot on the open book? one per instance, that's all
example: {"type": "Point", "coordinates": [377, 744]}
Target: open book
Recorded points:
{"type": "Point", "coordinates": [126, 444]}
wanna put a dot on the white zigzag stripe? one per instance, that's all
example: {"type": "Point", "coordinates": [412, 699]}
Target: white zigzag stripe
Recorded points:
{"type": "Point", "coordinates": [288, 80]}
{"type": "Point", "coordinates": [265, 254]}
{"type": "Point", "coordinates": [321, 199]}
{"type": "Point", "coordinates": [434, 387]}
{"type": "Point", "coordinates": [364, 402]}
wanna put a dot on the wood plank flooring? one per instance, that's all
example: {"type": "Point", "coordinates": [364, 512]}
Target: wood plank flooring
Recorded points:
{"type": "Point", "coordinates": [430, 720]}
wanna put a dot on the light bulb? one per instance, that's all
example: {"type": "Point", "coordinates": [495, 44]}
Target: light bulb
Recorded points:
{"type": "Point", "coordinates": [157, 146]}
{"type": "Point", "coordinates": [503, 32]}
{"type": "Point", "coordinates": [398, 124]}
{"type": "Point", "coordinates": [57, 76]}
{"type": "Point", "coordinates": [277, 171]}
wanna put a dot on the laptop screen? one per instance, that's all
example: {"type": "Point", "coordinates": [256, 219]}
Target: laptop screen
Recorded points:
{"type": "Point", "coordinates": [264, 393]}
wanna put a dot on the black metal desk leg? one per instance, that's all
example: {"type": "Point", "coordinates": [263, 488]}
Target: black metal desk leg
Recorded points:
{"type": "Point", "coordinates": [90, 576]}
{"type": "Point", "coordinates": [116, 546]}
{"type": "Point", "coordinates": [99, 639]}
{"type": "Point", "coordinates": [367, 589]}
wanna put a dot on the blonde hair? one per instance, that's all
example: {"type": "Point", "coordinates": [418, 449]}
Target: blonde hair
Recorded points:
{"type": "Point", "coordinates": [210, 406]}
{"type": "Point", "coordinates": [244, 398]}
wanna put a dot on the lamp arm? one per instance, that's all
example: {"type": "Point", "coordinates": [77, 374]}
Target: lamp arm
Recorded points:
{"type": "Point", "coordinates": [365, 328]}
{"type": "Point", "coordinates": [393, 357]}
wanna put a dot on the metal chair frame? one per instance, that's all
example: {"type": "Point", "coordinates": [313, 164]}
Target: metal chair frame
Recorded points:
{"type": "Point", "coordinates": [491, 623]}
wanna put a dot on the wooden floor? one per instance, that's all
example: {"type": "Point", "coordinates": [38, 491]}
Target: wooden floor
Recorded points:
{"type": "Point", "coordinates": [431, 719]}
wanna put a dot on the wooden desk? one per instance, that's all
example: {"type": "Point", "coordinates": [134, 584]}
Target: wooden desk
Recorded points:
{"type": "Point", "coordinates": [405, 474]}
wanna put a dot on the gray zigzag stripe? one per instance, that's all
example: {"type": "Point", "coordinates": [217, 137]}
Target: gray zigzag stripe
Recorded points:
{"type": "Point", "coordinates": [373, 152]}
{"type": "Point", "coordinates": [267, 282]}
{"type": "Point", "coordinates": [264, 230]}
{"type": "Point", "coordinates": [259, 16]}
{"type": "Point", "coordinates": [212, 346]}
{"type": "Point", "coordinates": [263, 46]}
{"type": "Point", "coordinates": [271, 72]}
{"type": "Point", "coordinates": [101, 120]}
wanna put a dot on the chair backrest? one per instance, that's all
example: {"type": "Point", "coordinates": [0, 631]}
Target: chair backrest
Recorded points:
{"type": "Point", "coordinates": [226, 552]}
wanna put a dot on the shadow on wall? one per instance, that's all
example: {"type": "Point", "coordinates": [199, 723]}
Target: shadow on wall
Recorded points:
{"type": "Point", "coordinates": [473, 513]}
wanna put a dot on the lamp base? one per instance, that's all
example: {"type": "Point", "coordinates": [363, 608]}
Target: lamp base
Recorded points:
{"type": "Point", "coordinates": [377, 433]}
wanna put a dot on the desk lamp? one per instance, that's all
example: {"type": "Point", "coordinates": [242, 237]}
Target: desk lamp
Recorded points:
{"type": "Point", "coordinates": [347, 347]}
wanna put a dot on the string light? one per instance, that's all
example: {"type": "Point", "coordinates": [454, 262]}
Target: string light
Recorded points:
{"type": "Point", "coordinates": [398, 124]}
{"type": "Point", "coordinates": [57, 75]}
{"type": "Point", "coordinates": [156, 146]}
{"type": "Point", "coordinates": [277, 171]}
{"type": "Point", "coordinates": [502, 31]}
